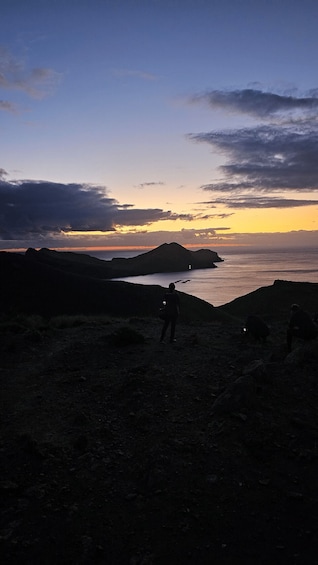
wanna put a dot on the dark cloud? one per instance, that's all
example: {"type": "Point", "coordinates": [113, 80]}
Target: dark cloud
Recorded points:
{"type": "Point", "coordinates": [261, 202]}
{"type": "Point", "coordinates": [278, 156]}
{"type": "Point", "coordinates": [265, 158]}
{"type": "Point", "coordinates": [258, 103]}
{"type": "Point", "coordinates": [139, 217]}
{"type": "Point", "coordinates": [214, 216]}
{"type": "Point", "coordinates": [31, 208]}
{"type": "Point", "coordinates": [217, 215]}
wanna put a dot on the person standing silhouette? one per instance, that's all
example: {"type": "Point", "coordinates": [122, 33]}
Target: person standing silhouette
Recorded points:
{"type": "Point", "coordinates": [172, 310]}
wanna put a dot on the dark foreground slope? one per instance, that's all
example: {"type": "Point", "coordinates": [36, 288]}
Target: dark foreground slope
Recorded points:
{"type": "Point", "coordinates": [118, 450]}
{"type": "Point", "coordinates": [274, 302]}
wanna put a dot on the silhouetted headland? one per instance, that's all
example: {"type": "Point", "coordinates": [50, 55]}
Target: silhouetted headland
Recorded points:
{"type": "Point", "coordinates": [167, 258]}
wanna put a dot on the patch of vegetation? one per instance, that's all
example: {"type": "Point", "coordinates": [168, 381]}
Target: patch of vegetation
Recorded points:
{"type": "Point", "coordinates": [22, 323]}
{"type": "Point", "coordinates": [68, 321]}
{"type": "Point", "coordinates": [126, 336]}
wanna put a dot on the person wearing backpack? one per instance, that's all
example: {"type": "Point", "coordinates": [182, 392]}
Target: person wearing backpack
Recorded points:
{"type": "Point", "coordinates": [172, 310]}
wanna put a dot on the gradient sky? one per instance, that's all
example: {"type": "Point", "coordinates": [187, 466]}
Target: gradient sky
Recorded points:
{"type": "Point", "coordinates": [139, 122]}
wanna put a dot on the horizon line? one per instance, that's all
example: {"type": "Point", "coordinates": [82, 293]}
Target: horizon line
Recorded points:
{"type": "Point", "coordinates": [101, 248]}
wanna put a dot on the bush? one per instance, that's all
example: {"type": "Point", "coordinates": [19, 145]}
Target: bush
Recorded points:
{"type": "Point", "coordinates": [68, 321]}
{"type": "Point", "coordinates": [22, 323]}
{"type": "Point", "coordinates": [126, 336]}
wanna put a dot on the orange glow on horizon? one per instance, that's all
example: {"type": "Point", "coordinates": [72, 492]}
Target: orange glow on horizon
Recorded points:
{"type": "Point", "coordinates": [124, 247]}
{"type": "Point", "coordinates": [76, 249]}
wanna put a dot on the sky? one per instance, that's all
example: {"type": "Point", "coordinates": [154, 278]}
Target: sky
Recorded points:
{"type": "Point", "coordinates": [132, 123]}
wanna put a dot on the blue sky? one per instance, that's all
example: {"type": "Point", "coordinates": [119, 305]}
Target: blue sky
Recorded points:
{"type": "Point", "coordinates": [134, 123]}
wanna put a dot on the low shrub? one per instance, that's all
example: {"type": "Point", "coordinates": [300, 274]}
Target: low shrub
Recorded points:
{"type": "Point", "coordinates": [126, 336]}
{"type": "Point", "coordinates": [22, 323]}
{"type": "Point", "coordinates": [68, 321]}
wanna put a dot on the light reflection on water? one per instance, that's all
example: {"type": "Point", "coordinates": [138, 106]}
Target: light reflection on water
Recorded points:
{"type": "Point", "coordinates": [238, 274]}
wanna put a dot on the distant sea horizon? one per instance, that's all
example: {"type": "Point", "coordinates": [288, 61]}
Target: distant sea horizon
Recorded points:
{"type": "Point", "coordinates": [242, 271]}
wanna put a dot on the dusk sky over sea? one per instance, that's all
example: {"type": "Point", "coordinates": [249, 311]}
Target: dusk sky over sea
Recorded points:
{"type": "Point", "coordinates": [130, 123]}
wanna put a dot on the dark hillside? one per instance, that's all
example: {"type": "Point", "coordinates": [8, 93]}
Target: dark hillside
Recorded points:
{"type": "Point", "coordinates": [34, 287]}
{"type": "Point", "coordinates": [77, 263]}
{"type": "Point", "coordinates": [274, 301]}
{"type": "Point", "coordinates": [166, 258]}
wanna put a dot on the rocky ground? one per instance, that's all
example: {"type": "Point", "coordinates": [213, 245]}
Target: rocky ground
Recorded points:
{"type": "Point", "coordinates": [119, 450]}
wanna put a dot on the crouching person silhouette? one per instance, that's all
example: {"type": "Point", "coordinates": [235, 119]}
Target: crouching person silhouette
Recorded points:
{"type": "Point", "coordinates": [300, 325]}
{"type": "Point", "coordinates": [256, 327]}
{"type": "Point", "coordinates": [172, 311]}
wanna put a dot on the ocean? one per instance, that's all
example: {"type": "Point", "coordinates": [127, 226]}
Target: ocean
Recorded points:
{"type": "Point", "coordinates": [240, 273]}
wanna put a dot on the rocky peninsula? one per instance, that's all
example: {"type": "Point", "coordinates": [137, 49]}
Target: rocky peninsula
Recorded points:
{"type": "Point", "coordinates": [167, 258]}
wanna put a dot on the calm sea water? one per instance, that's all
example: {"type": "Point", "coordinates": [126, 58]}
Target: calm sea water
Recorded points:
{"type": "Point", "coordinates": [239, 273]}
